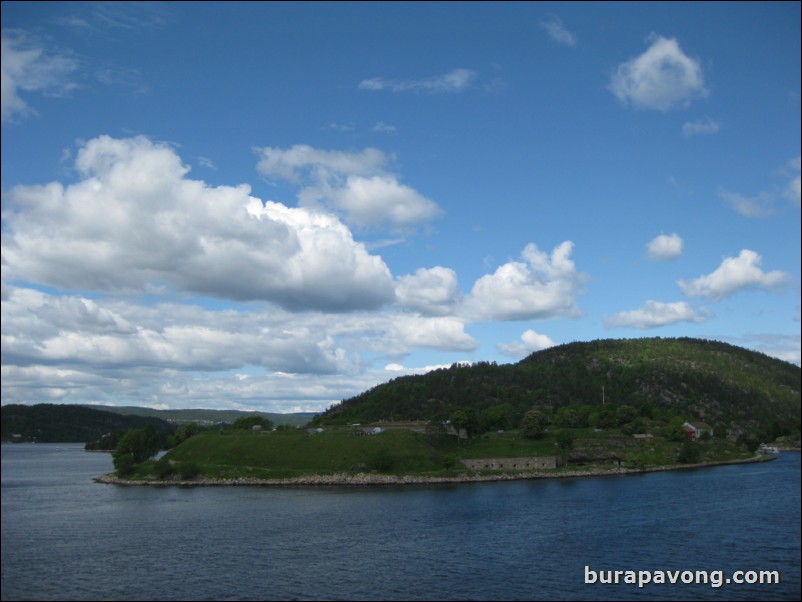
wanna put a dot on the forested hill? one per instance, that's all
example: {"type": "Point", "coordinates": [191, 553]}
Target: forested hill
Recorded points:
{"type": "Point", "coordinates": [729, 387]}
{"type": "Point", "coordinates": [54, 423]}
{"type": "Point", "coordinates": [57, 423]}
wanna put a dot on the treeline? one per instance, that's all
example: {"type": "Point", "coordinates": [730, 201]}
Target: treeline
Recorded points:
{"type": "Point", "coordinates": [101, 429]}
{"type": "Point", "coordinates": [734, 388]}
{"type": "Point", "coordinates": [206, 416]}
{"type": "Point", "coordinates": [54, 423]}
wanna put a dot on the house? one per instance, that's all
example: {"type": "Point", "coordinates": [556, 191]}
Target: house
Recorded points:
{"type": "Point", "coordinates": [695, 430]}
{"type": "Point", "coordinates": [643, 437]}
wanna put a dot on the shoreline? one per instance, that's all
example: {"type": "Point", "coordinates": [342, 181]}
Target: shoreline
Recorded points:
{"type": "Point", "coordinates": [375, 479]}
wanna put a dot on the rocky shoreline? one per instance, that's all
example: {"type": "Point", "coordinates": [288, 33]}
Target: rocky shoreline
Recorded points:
{"type": "Point", "coordinates": [375, 479]}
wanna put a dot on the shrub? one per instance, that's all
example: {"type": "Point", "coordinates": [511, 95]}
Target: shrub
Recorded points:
{"type": "Point", "coordinates": [163, 468]}
{"type": "Point", "coordinates": [450, 461]}
{"type": "Point", "coordinates": [124, 464]}
{"type": "Point", "coordinates": [188, 470]}
{"type": "Point", "coordinates": [382, 460]}
{"type": "Point", "coordinates": [534, 424]}
{"type": "Point", "coordinates": [689, 453]}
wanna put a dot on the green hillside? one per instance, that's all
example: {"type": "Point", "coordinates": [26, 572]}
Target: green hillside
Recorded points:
{"type": "Point", "coordinates": [54, 423]}
{"type": "Point", "coordinates": [734, 389]}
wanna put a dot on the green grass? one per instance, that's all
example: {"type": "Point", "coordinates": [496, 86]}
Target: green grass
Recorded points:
{"type": "Point", "coordinates": [509, 444]}
{"type": "Point", "coordinates": [661, 452]}
{"type": "Point", "coordinates": [292, 453]}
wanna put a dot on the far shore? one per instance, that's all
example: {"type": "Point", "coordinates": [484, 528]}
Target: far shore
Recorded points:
{"type": "Point", "coordinates": [376, 479]}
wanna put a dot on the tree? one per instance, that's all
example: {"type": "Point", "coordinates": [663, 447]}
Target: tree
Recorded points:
{"type": "Point", "coordinates": [565, 441]}
{"type": "Point", "coordinates": [534, 424]}
{"type": "Point", "coordinates": [474, 426]}
{"type": "Point", "coordinates": [496, 417]}
{"type": "Point", "coordinates": [608, 417]}
{"type": "Point", "coordinates": [248, 422]}
{"type": "Point", "coordinates": [460, 421]}
{"type": "Point", "coordinates": [135, 446]}
{"type": "Point", "coordinates": [689, 453]}
{"type": "Point", "coordinates": [750, 441]}
{"type": "Point", "coordinates": [675, 431]}
{"type": "Point", "coordinates": [567, 417]}
{"type": "Point", "coordinates": [185, 431]}
{"type": "Point", "coordinates": [625, 414]}
{"type": "Point", "coordinates": [436, 430]}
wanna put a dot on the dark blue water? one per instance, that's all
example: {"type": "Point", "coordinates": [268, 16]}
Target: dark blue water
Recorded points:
{"type": "Point", "coordinates": [65, 537]}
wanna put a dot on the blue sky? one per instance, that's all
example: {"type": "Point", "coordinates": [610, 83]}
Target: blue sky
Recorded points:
{"type": "Point", "coordinates": [277, 206]}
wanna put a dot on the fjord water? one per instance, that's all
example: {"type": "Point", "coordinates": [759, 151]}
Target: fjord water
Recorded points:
{"type": "Point", "coordinates": [65, 537]}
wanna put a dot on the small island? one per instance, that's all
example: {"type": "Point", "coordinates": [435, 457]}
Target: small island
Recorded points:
{"type": "Point", "coordinates": [410, 453]}
{"type": "Point", "coordinates": [601, 407]}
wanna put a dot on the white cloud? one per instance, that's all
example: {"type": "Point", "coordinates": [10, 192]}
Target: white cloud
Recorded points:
{"type": "Point", "coordinates": [759, 205]}
{"type": "Point", "coordinates": [733, 275]}
{"type": "Point", "coordinates": [767, 203]}
{"type": "Point", "coordinates": [381, 201]}
{"type": "Point", "coordinates": [557, 31]}
{"type": "Point", "coordinates": [25, 67]}
{"type": "Point", "coordinates": [662, 78]}
{"type": "Point", "coordinates": [341, 127]}
{"type": "Point", "coordinates": [406, 332]}
{"type": "Point", "coordinates": [656, 313]}
{"type": "Point", "coordinates": [401, 370]}
{"type": "Point", "coordinates": [456, 80]}
{"type": "Point", "coordinates": [301, 162]}
{"type": "Point", "coordinates": [72, 349]}
{"type": "Point", "coordinates": [384, 128]}
{"type": "Point", "coordinates": [355, 185]}
{"type": "Point", "coordinates": [542, 287]}
{"type": "Point", "coordinates": [163, 389]}
{"type": "Point", "coordinates": [794, 189]}
{"type": "Point", "coordinates": [665, 246]}
{"type": "Point", "coordinates": [782, 346]}
{"type": "Point", "coordinates": [392, 333]}
{"type": "Point", "coordinates": [430, 291]}
{"type": "Point", "coordinates": [113, 337]}
{"type": "Point", "coordinates": [206, 162]}
{"type": "Point", "coordinates": [699, 127]}
{"type": "Point", "coordinates": [135, 220]}
{"type": "Point", "coordinates": [531, 341]}
{"type": "Point", "coordinates": [130, 80]}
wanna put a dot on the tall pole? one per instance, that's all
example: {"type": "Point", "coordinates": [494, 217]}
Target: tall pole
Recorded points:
{"type": "Point", "coordinates": [602, 394]}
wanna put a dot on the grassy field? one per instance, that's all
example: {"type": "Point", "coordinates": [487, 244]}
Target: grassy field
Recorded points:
{"type": "Point", "coordinates": [292, 453]}
{"type": "Point", "coordinates": [281, 454]}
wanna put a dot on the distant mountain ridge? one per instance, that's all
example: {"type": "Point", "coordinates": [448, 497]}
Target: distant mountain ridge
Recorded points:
{"type": "Point", "coordinates": [71, 423]}
{"type": "Point", "coordinates": [206, 416]}
{"type": "Point", "coordinates": [57, 423]}
{"type": "Point", "coordinates": [735, 388]}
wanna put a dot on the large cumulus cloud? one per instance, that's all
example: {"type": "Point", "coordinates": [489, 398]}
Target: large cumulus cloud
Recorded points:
{"type": "Point", "coordinates": [135, 219]}
{"type": "Point", "coordinates": [542, 286]}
